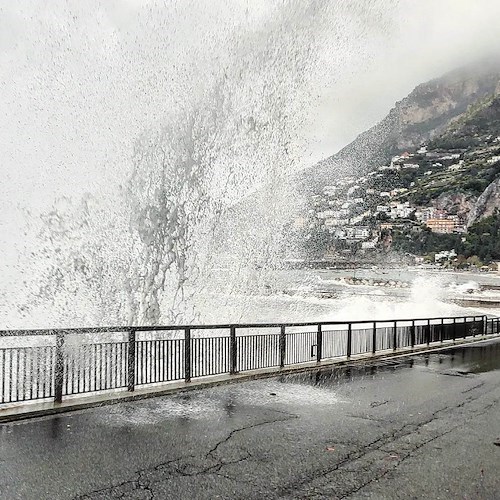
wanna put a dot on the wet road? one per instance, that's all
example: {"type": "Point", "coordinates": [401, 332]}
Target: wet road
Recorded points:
{"type": "Point", "coordinates": [421, 427]}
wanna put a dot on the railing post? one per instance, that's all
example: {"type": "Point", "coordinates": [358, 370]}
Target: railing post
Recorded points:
{"type": "Point", "coordinates": [395, 336]}
{"type": "Point", "coordinates": [59, 367]}
{"type": "Point", "coordinates": [349, 339]}
{"type": "Point", "coordinates": [131, 361]}
{"type": "Point", "coordinates": [441, 332]}
{"type": "Point", "coordinates": [454, 337]}
{"type": "Point", "coordinates": [412, 334]}
{"type": "Point", "coordinates": [232, 350]}
{"type": "Point", "coordinates": [187, 355]}
{"type": "Point", "coordinates": [428, 332]}
{"type": "Point", "coordinates": [282, 346]}
{"type": "Point", "coordinates": [319, 344]}
{"type": "Point", "coordinates": [485, 325]}
{"type": "Point", "coordinates": [374, 338]}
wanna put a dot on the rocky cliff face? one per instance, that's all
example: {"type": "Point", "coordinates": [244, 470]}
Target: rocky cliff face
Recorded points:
{"type": "Point", "coordinates": [460, 204]}
{"type": "Point", "coordinates": [424, 114]}
{"type": "Point", "coordinates": [486, 203]}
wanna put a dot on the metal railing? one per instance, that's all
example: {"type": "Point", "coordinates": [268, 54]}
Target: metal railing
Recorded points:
{"type": "Point", "coordinates": [41, 364]}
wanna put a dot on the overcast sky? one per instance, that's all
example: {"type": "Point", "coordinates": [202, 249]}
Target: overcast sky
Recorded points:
{"type": "Point", "coordinates": [424, 39]}
{"type": "Point", "coordinates": [65, 97]}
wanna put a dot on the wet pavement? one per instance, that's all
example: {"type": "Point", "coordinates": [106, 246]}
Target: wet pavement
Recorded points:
{"type": "Point", "coordinates": [418, 427]}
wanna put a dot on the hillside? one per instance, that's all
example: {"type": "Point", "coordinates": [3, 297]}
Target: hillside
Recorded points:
{"type": "Point", "coordinates": [471, 148]}
{"type": "Point", "coordinates": [416, 119]}
{"type": "Point", "coordinates": [433, 197]}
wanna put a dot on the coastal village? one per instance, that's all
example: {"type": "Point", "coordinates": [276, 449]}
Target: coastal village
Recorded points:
{"type": "Point", "coordinates": [361, 214]}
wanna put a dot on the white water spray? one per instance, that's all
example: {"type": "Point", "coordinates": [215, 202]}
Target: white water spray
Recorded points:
{"type": "Point", "coordinates": [167, 117]}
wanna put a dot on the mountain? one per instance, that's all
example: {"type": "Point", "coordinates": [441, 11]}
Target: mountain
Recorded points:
{"type": "Point", "coordinates": [476, 137]}
{"type": "Point", "coordinates": [440, 194]}
{"type": "Point", "coordinates": [425, 113]}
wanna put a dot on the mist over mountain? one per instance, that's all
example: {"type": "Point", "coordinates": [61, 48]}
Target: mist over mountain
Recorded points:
{"type": "Point", "coordinates": [425, 180]}
{"type": "Point", "coordinates": [419, 117]}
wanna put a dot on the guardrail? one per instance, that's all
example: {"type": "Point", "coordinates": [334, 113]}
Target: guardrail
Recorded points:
{"type": "Point", "coordinates": [41, 364]}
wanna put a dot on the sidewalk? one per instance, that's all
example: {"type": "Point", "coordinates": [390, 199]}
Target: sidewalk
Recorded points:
{"type": "Point", "coordinates": [412, 427]}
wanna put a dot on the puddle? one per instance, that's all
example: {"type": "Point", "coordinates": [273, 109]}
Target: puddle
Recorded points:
{"type": "Point", "coordinates": [459, 361]}
{"type": "Point", "coordinates": [480, 358]}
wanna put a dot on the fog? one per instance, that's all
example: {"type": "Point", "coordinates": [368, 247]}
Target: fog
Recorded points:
{"type": "Point", "coordinates": [56, 124]}
{"type": "Point", "coordinates": [80, 82]}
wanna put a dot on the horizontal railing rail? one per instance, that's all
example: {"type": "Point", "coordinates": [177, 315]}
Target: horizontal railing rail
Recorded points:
{"type": "Point", "coordinates": [114, 329]}
{"type": "Point", "coordinates": [57, 363]}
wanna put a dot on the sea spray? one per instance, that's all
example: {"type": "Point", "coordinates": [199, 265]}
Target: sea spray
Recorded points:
{"type": "Point", "coordinates": [204, 127]}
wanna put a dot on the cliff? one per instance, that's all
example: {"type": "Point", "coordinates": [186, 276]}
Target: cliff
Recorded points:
{"type": "Point", "coordinates": [423, 115]}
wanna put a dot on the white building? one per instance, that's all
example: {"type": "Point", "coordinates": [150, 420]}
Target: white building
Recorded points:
{"type": "Point", "coordinates": [365, 245]}
{"type": "Point", "coordinates": [358, 232]}
{"type": "Point", "coordinates": [446, 254]}
{"type": "Point", "coordinates": [383, 209]}
{"type": "Point", "coordinates": [424, 214]}
{"type": "Point", "coordinates": [326, 214]}
{"type": "Point", "coordinates": [401, 210]}
{"type": "Point", "coordinates": [454, 156]}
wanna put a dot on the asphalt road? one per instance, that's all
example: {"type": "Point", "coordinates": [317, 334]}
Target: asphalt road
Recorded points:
{"type": "Point", "coordinates": [420, 427]}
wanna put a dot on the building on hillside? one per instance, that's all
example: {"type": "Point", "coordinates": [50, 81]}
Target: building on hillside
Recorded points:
{"type": "Point", "coordinates": [446, 254]}
{"type": "Point", "coordinates": [401, 210]}
{"type": "Point", "coordinates": [365, 245]}
{"type": "Point", "coordinates": [383, 209]}
{"type": "Point", "coordinates": [424, 214]}
{"type": "Point", "coordinates": [361, 232]}
{"type": "Point", "coordinates": [397, 191]}
{"type": "Point", "coordinates": [326, 214]}
{"type": "Point", "coordinates": [441, 225]}
{"type": "Point", "coordinates": [454, 156]}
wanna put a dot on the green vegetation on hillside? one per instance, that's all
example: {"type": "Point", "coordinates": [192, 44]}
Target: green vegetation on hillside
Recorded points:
{"type": "Point", "coordinates": [482, 240]}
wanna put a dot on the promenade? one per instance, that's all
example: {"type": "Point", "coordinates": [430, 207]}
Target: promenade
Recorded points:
{"type": "Point", "coordinates": [423, 426]}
